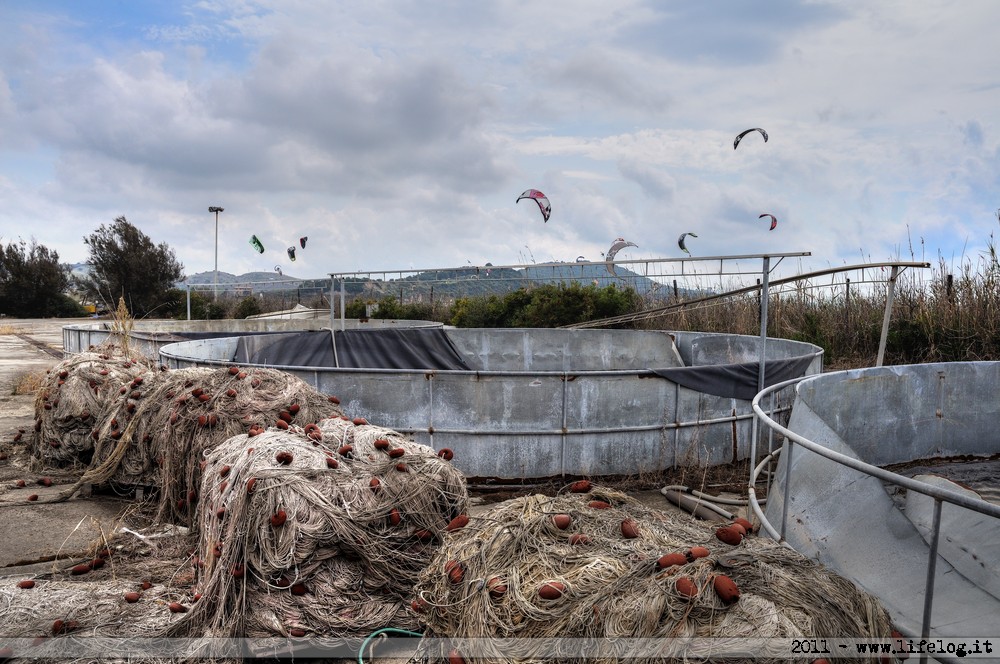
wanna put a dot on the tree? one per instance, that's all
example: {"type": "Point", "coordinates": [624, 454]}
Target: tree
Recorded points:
{"type": "Point", "coordinates": [124, 262]}
{"type": "Point", "coordinates": [32, 282]}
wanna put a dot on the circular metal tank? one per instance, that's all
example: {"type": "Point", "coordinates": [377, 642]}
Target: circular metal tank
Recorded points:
{"type": "Point", "coordinates": [550, 402]}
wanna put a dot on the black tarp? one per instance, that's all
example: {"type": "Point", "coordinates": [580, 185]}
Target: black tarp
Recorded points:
{"type": "Point", "coordinates": [736, 381]}
{"type": "Point", "coordinates": [401, 348]}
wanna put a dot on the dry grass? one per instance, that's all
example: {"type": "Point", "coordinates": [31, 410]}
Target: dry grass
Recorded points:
{"type": "Point", "coordinates": [28, 382]}
{"type": "Point", "coordinates": [9, 329]}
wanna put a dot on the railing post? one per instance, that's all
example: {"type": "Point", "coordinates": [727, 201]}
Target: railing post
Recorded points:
{"type": "Point", "coordinates": [889, 295]}
{"type": "Point", "coordinates": [925, 628]}
{"type": "Point", "coordinates": [788, 486]}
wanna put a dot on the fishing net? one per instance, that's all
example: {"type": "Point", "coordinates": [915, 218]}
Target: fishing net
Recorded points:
{"type": "Point", "coordinates": [158, 430]}
{"type": "Point", "coordinates": [318, 531]}
{"type": "Point", "coordinates": [72, 401]}
{"type": "Point", "coordinates": [594, 568]}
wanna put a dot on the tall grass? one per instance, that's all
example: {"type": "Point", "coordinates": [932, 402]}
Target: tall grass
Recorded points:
{"type": "Point", "coordinates": [937, 316]}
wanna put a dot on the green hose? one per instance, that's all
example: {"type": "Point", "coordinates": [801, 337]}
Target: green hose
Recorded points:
{"type": "Point", "coordinates": [394, 630]}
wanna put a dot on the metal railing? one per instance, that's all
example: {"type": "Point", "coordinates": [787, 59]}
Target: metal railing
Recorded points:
{"type": "Point", "coordinates": [939, 495]}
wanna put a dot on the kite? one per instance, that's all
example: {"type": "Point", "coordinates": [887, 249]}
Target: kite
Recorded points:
{"type": "Point", "coordinates": [277, 268]}
{"type": "Point", "coordinates": [774, 220]}
{"type": "Point", "coordinates": [541, 199]}
{"type": "Point", "coordinates": [291, 254]}
{"type": "Point", "coordinates": [747, 131]}
{"type": "Point", "coordinates": [256, 244]}
{"type": "Point", "coordinates": [302, 241]}
{"type": "Point", "coordinates": [616, 246]}
{"type": "Point", "coordinates": [680, 242]}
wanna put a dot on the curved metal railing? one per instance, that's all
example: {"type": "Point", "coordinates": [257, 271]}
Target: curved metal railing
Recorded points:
{"type": "Point", "coordinates": [939, 495]}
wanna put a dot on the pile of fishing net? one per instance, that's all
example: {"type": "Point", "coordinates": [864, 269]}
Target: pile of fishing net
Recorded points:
{"type": "Point", "coordinates": [318, 531]}
{"type": "Point", "coordinates": [596, 572]}
{"type": "Point", "coordinates": [130, 587]}
{"type": "Point", "coordinates": [72, 401]}
{"type": "Point", "coordinates": [146, 426]}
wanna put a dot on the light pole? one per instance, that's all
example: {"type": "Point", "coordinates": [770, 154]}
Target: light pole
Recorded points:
{"type": "Point", "coordinates": [216, 210]}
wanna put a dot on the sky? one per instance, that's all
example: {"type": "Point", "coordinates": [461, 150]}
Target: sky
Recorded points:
{"type": "Point", "coordinates": [398, 135]}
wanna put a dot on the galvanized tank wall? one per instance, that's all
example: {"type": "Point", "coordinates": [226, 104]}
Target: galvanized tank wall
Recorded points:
{"type": "Point", "coordinates": [547, 402]}
{"type": "Point", "coordinates": [148, 336]}
{"type": "Point", "coordinates": [848, 520]}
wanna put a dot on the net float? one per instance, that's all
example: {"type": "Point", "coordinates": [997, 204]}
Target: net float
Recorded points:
{"type": "Point", "coordinates": [281, 424]}
{"type": "Point", "coordinates": [562, 521]}
{"type": "Point", "coordinates": [359, 421]}
{"type": "Point", "coordinates": [135, 394]}
{"type": "Point", "coordinates": [747, 526]}
{"type": "Point", "coordinates": [230, 393]}
{"type": "Point", "coordinates": [459, 521]}
{"type": "Point", "coordinates": [670, 560]}
{"type": "Point", "coordinates": [202, 422]}
{"type": "Point", "coordinates": [551, 590]}
{"type": "Point", "coordinates": [374, 484]}
{"type": "Point", "coordinates": [233, 371]}
{"type": "Point", "coordinates": [237, 571]}
{"type": "Point", "coordinates": [333, 400]}
{"type": "Point", "coordinates": [19, 484]}
{"type": "Point", "coordinates": [278, 518]}
{"type": "Point", "coordinates": [55, 444]}
{"type": "Point", "coordinates": [455, 571]}
{"type": "Point", "coordinates": [285, 416]}
{"type": "Point", "coordinates": [177, 607]}
{"type": "Point", "coordinates": [497, 587]}
{"type": "Point", "coordinates": [316, 435]}
{"type": "Point", "coordinates": [696, 552]}
{"type": "Point", "coordinates": [44, 481]}
{"type": "Point", "coordinates": [580, 486]}
{"type": "Point", "coordinates": [294, 408]}
{"type": "Point", "coordinates": [345, 451]}
{"type": "Point", "coordinates": [299, 589]}
{"type": "Point", "coordinates": [27, 584]}
{"type": "Point", "coordinates": [146, 585]}
{"type": "Point", "coordinates": [579, 539]}
{"type": "Point", "coordinates": [221, 513]}
{"type": "Point", "coordinates": [381, 444]}
{"type": "Point", "coordinates": [395, 517]}
{"type": "Point", "coordinates": [729, 535]}
{"type": "Point", "coordinates": [64, 626]}
{"type": "Point", "coordinates": [32, 498]}
{"type": "Point", "coordinates": [332, 463]}
{"type": "Point", "coordinates": [241, 375]}
{"type": "Point", "coordinates": [250, 484]}
{"type": "Point", "coordinates": [282, 581]}
{"type": "Point", "coordinates": [402, 467]}
{"type": "Point", "coordinates": [82, 568]}
{"type": "Point", "coordinates": [63, 374]}
{"type": "Point", "coordinates": [96, 563]}
{"type": "Point", "coordinates": [197, 392]}
{"type": "Point", "coordinates": [396, 453]}
{"type": "Point", "coordinates": [455, 657]}
{"type": "Point", "coordinates": [284, 458]}
{"type": "Point", "coordinates": [418, 605]}
{"type": "Point", "coordinates": [726, 589]}
{"type": "Point", "coordinates": [686, 586]}
{"type": "Point", "coordinates": [446, 453]}
{"type": "Point", "coordinates": [296, 632]}
{"type": "Point", "coordinates": [424, 535]}
{"type": "Point", "coordinates": [132, 597]}
{"type": "Point", "coordinates": [630, 529]}
{"type": "Point", "coordinates": [599, 505]}
{"type": "Point", "coordinates": [224, 471]}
